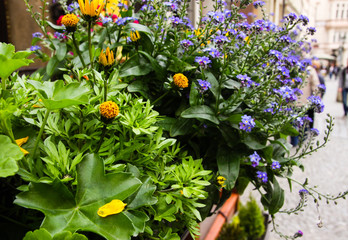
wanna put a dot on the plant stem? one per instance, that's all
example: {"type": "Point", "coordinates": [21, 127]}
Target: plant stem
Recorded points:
{"type": "Point", "coordinates": [101, 138]}
{"type": "Point", "coordinates": [3, 84]}
{"type": "Point", "coordinates": [90, 48]}
{"type": "Point", "coordinates": [41, 131]}
{"type": "Point", "coordinates": [78, 50]}
{"type": "Point", "coordinates": [163, 95]}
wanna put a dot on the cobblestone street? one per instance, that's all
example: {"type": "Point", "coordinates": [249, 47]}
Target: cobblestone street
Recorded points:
{"type": "Point", "coordinates": [327, 169]}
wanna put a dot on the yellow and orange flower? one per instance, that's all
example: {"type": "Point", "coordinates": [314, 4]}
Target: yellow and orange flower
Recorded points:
{"type": "Point", "coordinates": [180, 80]}
{"type": "Point", "coordinates": [134, 36]}
{"type": "Point", "coordinates": [70, 21]}
{"type": "Point", "coordinates": [109, 110]}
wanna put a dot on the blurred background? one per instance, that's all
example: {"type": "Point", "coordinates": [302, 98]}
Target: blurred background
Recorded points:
{"type": "Point", "coordinates": [326, 168]}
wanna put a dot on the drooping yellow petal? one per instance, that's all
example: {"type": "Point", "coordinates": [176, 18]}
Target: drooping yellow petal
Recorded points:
{"type": "Point", "coordinates": [111, 58]}
{"type": "Point", "coordinates": [20, 142]}
{"type": "Point", "coordinates": [111, 208]}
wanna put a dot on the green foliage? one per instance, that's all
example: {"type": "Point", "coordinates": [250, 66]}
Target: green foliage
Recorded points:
{"type": "Point", "coordinates": [43, 234]}
{"type": "Point", "coordinates": [66, 211]}
{"type": "Point", "coordinates": [251, 220]}
{"type": "Point", "coordinates": [11, 60]}
{"type": "Point", "coordinates": [232, 231]}
{"type": "Point", "coordinates": [9, 155]}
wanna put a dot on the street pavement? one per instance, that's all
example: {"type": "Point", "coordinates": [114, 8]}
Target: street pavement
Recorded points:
{"type": "Point", "coordinates": [327, 169]}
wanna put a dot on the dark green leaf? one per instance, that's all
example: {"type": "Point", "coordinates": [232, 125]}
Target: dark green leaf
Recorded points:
{"type": "Point", "coordinates": [181, 127]}
{"type": "Point", "coordinates": [52, 65]}
{"type": "Point", "coordinates": [289, 130]}
{"type": "Point", "coordinates": [277, 197]}
{"type": "Point", "coordinates": [61, 51]}
{"type": "Point", "coordinates": [64, 211]}
{"type": "Point", "coordinates": [228, 164]}
{"type": "Point", "coordinates": [200, 112]}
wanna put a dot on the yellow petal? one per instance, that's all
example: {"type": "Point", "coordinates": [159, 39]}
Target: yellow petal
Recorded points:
{"type": "Point", "coordinates": [82, 6]}
{"type": "Point", "coordinates": [24, 151]}
{"type": "Point", "coordinates": [88, 8]}
{"type": "Point", "coordinates": [21, 141]}
{"type": "Point", "coordinates": [111, 208]}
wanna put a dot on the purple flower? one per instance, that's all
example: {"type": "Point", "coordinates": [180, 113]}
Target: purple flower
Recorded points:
{"type": "Point", "coordinates": [277, 54]}
{"type": "Point", "coordinates": [311, 30]}
{"type": "Point", "coordinates": [176, 20]}
{"type": "Point", "coordinates": [221, 39]}
{"type": "Point", "coordinates": [218, 17]}
{"type": "Point", "coordinates": [37, 35]}
{"type": "Point", "coordinates": [204, 85]}
{"type": "Point", "coordinates": [262, 176]}
{"type": "Point", "coordinates": [247, 123]}
{"type": "Point", "coordinates": [35, 48]}
{"type": "Point", "coordinates": [106, 20]}
{"type": "Point", "coordinates": [73, 6]}
{"type": "Point", "coordinates": [186, 43]}
{"type": "Point", "coordinates": [315, 132]}
{"type": "Point", "coordinates": [214, 53]}
{"type": "Point", "coordinates": [258, 4]}
{"type": "Point", "coordinates": [203, 61]}
{"type": "Point", "coordinates": [173, 6]}
{"type": "Point", "coordinates": [299, 233]}
{"type": "Point", "coordinates": [286, 93]}
{"type": "Point", "coordinates": [275, 165]}
{"type": "Point", "coordinates": [304, 19]}
{"type": "Point", "coordinates": [316, 103]}
{"type": "Point", "coordinates": [254, 159]}
{"type": "Point", "coordinates": [322, 87]}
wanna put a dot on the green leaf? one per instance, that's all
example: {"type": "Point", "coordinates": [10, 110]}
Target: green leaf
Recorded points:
{"type": "Point", "coordinates": [213, 82]}
{"type": "Point", "coordinates": [165, 211]}
{"type": "Point", "coordinates": [52, 65]}
{"type": "Point", "coordinates": [39, 234]}
{"type": "Point", "coordinates": [43, 234]}
{"type": "Point", "coordinates": [10, 153]}
{"type": "Point", "coordinates": [61, 51]}
{"type": "Point", "coordinates": [289, 130]}
{"type": "Point", "coordinates": [200, 112]}
{"type": "Point", "coordinates": [144, 197]}
{"type": "Point", "coordinates": [254, 142]}
{"type": "Point", "coordinates": [277, 197]}
{"type": "Point", "coordinates": [181, 127]}
{"type": "Point", "coordinates": [135, 66]}
{"type": "Point", "coordinates": [160, 72]}
{"type": "Point", "coordinates": [10, 61]}
{"type": "Point", "coordinates": [228, 164]}
{"type": "Point", "coordinates": [64, 211]}
{"type": "Point", "coordinates": [56, 96]}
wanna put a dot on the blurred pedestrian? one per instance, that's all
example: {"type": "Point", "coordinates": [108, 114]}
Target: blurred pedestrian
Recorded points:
{"type": "Point", "coordinates": [309, 87]}
{"type": "Point", "coordinates": [343, 87]}
{"type": "Point", "coordinates": [322, 87]}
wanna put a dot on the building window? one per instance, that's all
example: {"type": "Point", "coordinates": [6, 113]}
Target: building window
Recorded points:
{"type": "Point", "coordinates": [337, 10]}
{"type": "Point", "coordinates": [342, 14]}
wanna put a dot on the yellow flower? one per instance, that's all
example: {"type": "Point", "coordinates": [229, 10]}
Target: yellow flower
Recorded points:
{"type": "Point", "coordinates": [106, 59]}
{"type": "Point", "coordinates": [247, 39]}
{"type": "Point", "coordinates": [109, 109]}
{"type": "Point", "coordinates": [221, 180]}
{"type": "Point", "coordinates": [70, 21]}
{"type": "Point", "coordinates": [20, 142]}
{"type": "Point", "coordinates": [180, 80]}
{"type": "Point", "coordinates": [91, 8]}
{"type": "Point", "coordinates": [112, 6]}
{"type": "Point", "coordinates": [135, 36]}
{"type": "Point", "coordinates": [113, 207]}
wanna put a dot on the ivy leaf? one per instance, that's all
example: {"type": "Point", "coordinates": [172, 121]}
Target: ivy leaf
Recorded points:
{"type": "Point", "coordinates": [64, 211]}
{"type": "Point", "coordinates": [43, 234]}
{"type": "Point", "coordinates": [10, 153]}
{"type": "Point", "coordinates": [56, 95]}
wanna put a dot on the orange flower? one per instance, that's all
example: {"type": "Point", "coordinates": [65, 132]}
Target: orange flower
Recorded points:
{"type": "Point", "coordinates": [180, 80]}
{"type": "Point", "coordinates": [109, 109]}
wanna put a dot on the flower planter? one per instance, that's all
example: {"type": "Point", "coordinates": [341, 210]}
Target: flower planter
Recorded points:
{"type": "Point", "coordinates": [211, 227]}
